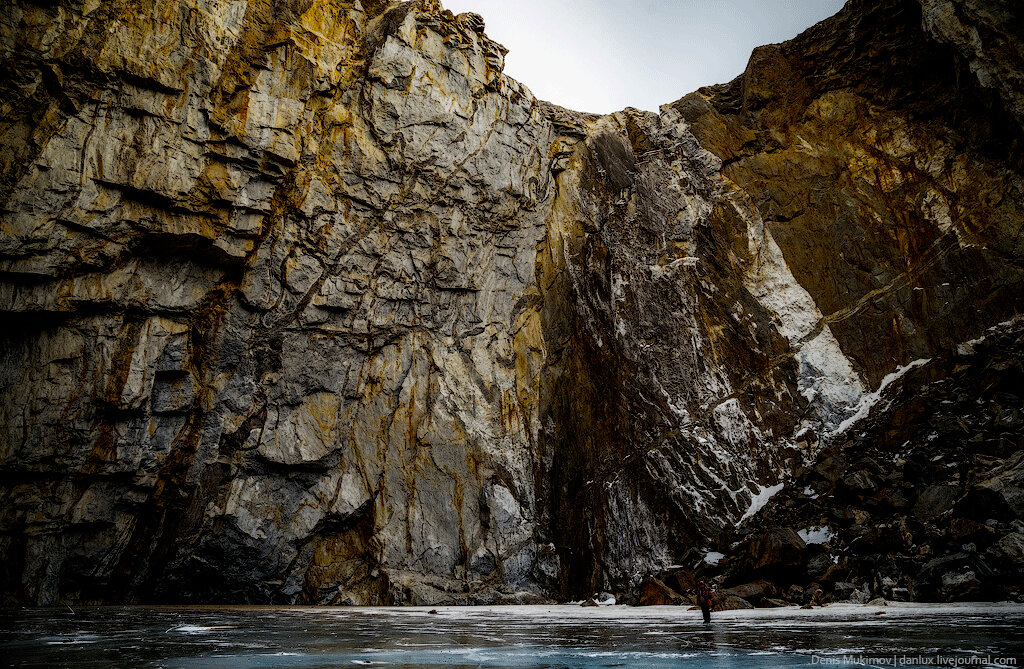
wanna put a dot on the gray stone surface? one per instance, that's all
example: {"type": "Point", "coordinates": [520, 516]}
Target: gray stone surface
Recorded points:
{"type": "Point", "coordinates": [309, 302]}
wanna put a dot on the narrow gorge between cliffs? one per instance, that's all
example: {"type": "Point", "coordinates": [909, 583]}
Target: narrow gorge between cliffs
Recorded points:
{"type": "Point", "coordinates": [306, 302]}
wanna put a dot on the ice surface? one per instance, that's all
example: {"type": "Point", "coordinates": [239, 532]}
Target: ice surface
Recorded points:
{"type": "Point", "coordinates": [508, 636]}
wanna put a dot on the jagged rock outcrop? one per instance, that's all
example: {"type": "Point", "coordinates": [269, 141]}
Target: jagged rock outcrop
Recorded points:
{"type": "Point", "coordinates": [308, 302]}
{"type": "Point", "coordinates": [889, 173]}
{"type": "Point", "coordinates": [926, 494]}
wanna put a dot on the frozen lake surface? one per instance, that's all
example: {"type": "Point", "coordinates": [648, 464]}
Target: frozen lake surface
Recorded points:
{"type": "Point", "coordinates": [844, 635]}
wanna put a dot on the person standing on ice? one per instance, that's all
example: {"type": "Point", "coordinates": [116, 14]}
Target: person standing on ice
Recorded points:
{"type": "Point", "coordinates": [705, 598]}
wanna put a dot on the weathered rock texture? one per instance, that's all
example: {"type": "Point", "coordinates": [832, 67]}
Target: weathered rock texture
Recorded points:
{"type": "Point", "coordinates": [306, 301]}
{"type": "Point", "coordinates": [926, 494]}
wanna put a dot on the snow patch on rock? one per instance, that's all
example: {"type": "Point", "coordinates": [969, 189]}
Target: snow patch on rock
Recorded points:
{"type": "Point", "coordinates": [826, 377]}
{"type": "Point", "coordinates": [713, 557]}
{"type": "Point", "coordinates": [760, 499]}
{"type": "Point", "coordinates": [869, 400]}
{"type": "Point", "coordinates": [816, 535]}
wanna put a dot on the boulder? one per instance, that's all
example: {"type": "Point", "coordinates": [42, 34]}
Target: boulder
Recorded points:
{"type": "Point", "coordinates": [966, 530]}
{"type": "Point", "coordinates": [654, 592]}
{"type": "Point", "coordinates": [956, 577]}
{"type": "Point", "coordinates": [885, 585]}
{"type": "Point", "coordinates": [893, 498]}
{"type": "Point", "coordinates": [818, 565]}
{"type": "Point", "coordinates": [861, 480]}
{"type": "Point", "coordinates": [815, 597]}
{"type": "Point", "coordinates": [934, 501]}
{"type": "Point", "coordinates": [900, 595]}
{"type": "Point", "coordinates": [1003, 490]}
{"type": "Point", "coordinates": [1008, 552]}
{"type": "Point", "coordinates": [731, 603]}
{"type": "Point", "coordinates": [884, 538]}
{"type": "Point", "coordinates": [777, 553]}
{"type": "Point", "coordinates": [778, 547]}
{"type": "Point", "coordinates": [844, 590]}
{"type": "Point", "coordinates": [837, 572]}
{"type": "Point", "coordinates": [752, 592]}
{"type": "Point", "coordinates": [962, 585]}
{"type": "Point", "coordinates": [682, 580]}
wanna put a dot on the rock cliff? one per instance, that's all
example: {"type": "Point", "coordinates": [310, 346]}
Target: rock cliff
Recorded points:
{"type": "Point", "coordinates": [306, 301]}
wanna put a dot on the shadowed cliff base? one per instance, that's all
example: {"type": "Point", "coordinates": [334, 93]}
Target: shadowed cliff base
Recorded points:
{"type": "Point", "coordinates": [310, 303]}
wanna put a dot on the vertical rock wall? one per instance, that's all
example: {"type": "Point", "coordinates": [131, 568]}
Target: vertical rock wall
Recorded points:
{"type": "Point", "coordinates": [266, 262]}
{"type": "Point", "coordinates": [308, 302]}
{"type": "Point", "coordinates": [889, 173]}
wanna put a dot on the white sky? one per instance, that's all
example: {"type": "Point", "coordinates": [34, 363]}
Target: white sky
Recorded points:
{"type": "Point", "coordinates": [604, 55]}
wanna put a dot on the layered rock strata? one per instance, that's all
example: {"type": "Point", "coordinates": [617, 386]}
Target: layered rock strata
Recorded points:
{"type": "Point", "coordinates": [308, 302]}
{"type": "Point", "coordinates": [920, 499]}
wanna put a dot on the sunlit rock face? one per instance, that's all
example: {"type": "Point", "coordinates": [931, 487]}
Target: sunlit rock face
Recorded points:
{"type": "Point", "coordinates": [889, 173]}
{"type": "Point", "coordinates": [307, 302]}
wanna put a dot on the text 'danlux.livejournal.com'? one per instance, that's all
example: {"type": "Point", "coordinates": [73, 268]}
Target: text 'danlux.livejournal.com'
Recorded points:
{"type": "Point", "coordinates": [897, 660]}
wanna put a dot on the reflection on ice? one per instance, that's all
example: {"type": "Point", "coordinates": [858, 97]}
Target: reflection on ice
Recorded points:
{"type": "Point", "coordinates": [536, 636]}
{"type": "Point", "coordinates": [200, 629]}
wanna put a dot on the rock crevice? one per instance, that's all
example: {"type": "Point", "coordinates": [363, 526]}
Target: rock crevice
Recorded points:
{"type": "Point", "coordinates": [308, 302]}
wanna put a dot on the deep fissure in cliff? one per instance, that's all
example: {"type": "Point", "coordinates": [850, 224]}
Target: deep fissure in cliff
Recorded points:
{"type": "Point", "coordinates": [310, 303]}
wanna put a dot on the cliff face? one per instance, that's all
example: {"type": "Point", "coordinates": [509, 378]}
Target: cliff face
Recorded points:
{"type": "Point", "coordinates": [888, 172]}
{"type": "Point", "coordinates": [308, 302]}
